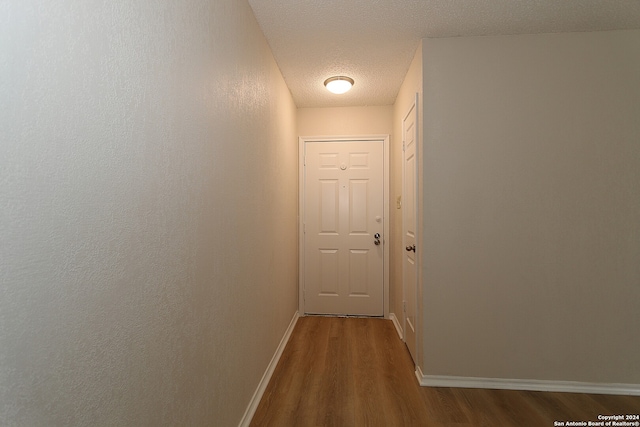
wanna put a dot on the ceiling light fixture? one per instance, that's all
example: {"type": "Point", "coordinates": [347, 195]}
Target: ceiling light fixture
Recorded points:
{"type": "Point", "coordinates": [338, 84]}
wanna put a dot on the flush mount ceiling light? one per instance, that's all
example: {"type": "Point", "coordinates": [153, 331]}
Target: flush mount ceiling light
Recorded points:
{"type": "Point", "coordinates": [338, 84]}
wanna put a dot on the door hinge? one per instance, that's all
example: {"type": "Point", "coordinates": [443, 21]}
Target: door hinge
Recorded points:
{"type": "Point", "coordinates": [404, 306]}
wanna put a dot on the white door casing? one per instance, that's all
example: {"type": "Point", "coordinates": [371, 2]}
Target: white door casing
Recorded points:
{"type": "Point", "coordinates": [409, 229]}
{"type": "Point", "coordinates": [343, 207]}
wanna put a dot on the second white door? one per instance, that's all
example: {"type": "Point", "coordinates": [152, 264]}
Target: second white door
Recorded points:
{"type": "Point", "coordinates": [344, 228]}
{"type": "Point", "coordinates": [409, 230]}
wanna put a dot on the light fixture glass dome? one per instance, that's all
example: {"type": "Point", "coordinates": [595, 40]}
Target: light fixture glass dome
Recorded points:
{"type": "Point", "coordinates": [338, 84]}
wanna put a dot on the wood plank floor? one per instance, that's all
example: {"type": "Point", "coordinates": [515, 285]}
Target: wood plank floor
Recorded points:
{"type": "Point", "coordinates": [357, 372]}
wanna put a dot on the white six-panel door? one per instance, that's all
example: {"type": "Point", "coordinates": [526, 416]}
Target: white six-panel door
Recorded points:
{"type": "Point", "coordinates": [343, 212]}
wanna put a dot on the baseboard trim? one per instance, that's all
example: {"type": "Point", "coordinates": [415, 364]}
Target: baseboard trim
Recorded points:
{"type": "Point", "coordinates": [396, 323]}
{"type": "Point", "coordinates": [529, 385]}
{"type": "Point", "coordinates": [262, 385]}
{"type": "Point", "coordinates": [420, 376]}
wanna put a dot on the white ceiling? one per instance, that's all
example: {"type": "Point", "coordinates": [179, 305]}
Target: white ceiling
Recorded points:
{"type": "Point", "coordinates": [373, 41]}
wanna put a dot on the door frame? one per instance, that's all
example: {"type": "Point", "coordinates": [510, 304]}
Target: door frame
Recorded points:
{"type": "Point", "coordinates": [302, 140]}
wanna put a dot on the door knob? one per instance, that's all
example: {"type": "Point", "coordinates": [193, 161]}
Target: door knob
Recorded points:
{"type": "Point", "coordinates": [411, 248]}
{"type": "Point", "coordinates": [377, 237]}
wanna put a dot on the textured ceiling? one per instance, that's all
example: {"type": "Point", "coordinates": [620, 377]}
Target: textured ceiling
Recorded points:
{"type": "Point", "coordinates": [373, 41]}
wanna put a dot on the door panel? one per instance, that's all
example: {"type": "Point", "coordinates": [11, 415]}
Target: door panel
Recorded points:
{"type": "Point", "coordinates": [358, 276]}
{"type": "Point", "coordinates": [329, 272]}
{"type": "Point", "coordinates": [358, 195]}
{"type": "Point", "coordinates": [329, 206]}
{"type": "Point", "coordinates": [343, 208]}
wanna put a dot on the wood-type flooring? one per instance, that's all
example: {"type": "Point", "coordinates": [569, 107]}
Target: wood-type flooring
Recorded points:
{"type": "Point", "coordinates": [351, 372]}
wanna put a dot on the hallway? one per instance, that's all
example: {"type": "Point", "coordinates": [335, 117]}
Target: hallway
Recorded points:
{"type": "Point", "coordinates": [151, 227]}
{"type": "Point", "coordinates": [357, 372]}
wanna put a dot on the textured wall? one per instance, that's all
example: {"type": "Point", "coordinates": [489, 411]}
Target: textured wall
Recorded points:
{"type": "Point", "coordinates": [148, 167]}
{"type": "Point", "coordinates": [532, 208]}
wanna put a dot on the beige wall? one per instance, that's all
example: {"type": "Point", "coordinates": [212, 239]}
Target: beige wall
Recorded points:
{"type": "Point", "coordinates": [411, 86]}
{"type": "Point", "coordinates": [532, 207]}
{"type": "Point", "coordinates": [149, 163]}
{"type": "Point", "coordinates": [345, 121]}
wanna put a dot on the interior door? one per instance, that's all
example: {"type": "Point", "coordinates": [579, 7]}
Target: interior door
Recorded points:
{"type": "Point", "coordinates": [344, 228]}
{"type": "Point", "coordinates": [409, 226]}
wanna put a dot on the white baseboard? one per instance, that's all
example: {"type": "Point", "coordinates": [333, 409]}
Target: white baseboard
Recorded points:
{"type": "Point", "coordinates": [530, 385]}
{"type": "Point", "coordinates": [262, 385]}
{"type": "Point", "coordinates": [396, 323]}
{"type": "Point", "coordinates": [420, 376]}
